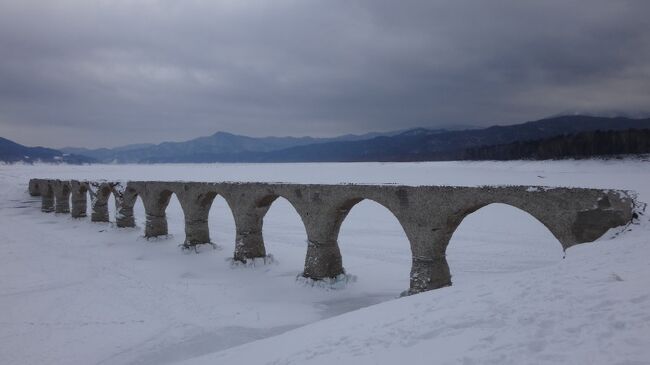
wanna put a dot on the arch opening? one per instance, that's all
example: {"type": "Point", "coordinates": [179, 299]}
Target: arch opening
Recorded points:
{"type": "Point", "coordinates": [500, 239]}
{"type": "Point", "coordinates": [375, 249]}
{"type": "Point", "coordinates": [174, 214]}
{"type": "Point", "coordinates": [221, 224]}
{"type": "Point", "coordinates": [89, 203]}
{"type": "Point", "coordinates": [139, 214]}
{"type": "Point", "coordinates": [112, 206]}
{"type": "Point", "coordinates": [283, 231]}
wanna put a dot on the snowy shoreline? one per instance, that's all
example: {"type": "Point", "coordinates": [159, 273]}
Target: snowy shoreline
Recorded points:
{"type": "Point", "coordinates": [81, 292]}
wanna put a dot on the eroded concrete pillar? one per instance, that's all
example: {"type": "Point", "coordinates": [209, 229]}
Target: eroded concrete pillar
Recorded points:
{"type": "Point", "coordinates": [99, 194]}
{"type": "Point", "coordinates": [155, 198]}
{"type": "Point", "coordinates": [125, 198]}
{"type": "Point", "coordinates": [428, 273]}
{"type": "Point", "coordinates": [196, 200]}
{"type": "Point", "coordinates": [249, 206]}
{"type": "Point", "coordinates": [155, 225]}
{"type": "Point", "coordinates": [62, 196]}
{"type": "Point", "coordinates": [249, 241]}
{"type": "Point", "coordinates": [323, 259]}
{"type": "Point", "coordinates": [428, 234]}
{"type": "Point", "coordinates": [47, 196]}
{"type": "Point", "coordinates": [33, 187]}
{"type": "Point", "coordinates": [79, 199]}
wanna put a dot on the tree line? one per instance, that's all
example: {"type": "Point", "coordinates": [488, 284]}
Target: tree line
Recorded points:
{"type": "Point", "coordinates": [579, 145]}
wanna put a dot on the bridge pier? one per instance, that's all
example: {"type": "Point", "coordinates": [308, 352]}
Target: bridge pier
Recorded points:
{"type": "Point", "coordinates": [196, 200]}
{"type": "Point", "coordinates": [428, 273]}
{"type": "Point", "coordinates": [99, 193]}
{"type": "Point", "coordinates": [155, 198]}
{"type": "Point", "coordinates": [197, 231]}
{"type": "Point", "coordinates": [61, 196]}
{"type": "Point", "coordinates": [249, 244]}
{"type": "Point", "coordinates": [249, 241]}
{"type": "Point", "coordinates": [155, 225]}
{"type": "Point", "coordinates": [248, 210]}
{"type": "Point", "coordinates": [429, 235]}
{"type": "Point", "coordinates": [47, 196]}
{"type": "Point", "coordinates": [79, 198]}
{"type": "Point", "coordinates": [323, 260]}
{"type": "Point", "coordinates": [124, 216]}
{"type": "Point", "coordinates": [124, 201]}
{"type": "Point", "coordinates": [34, 187]}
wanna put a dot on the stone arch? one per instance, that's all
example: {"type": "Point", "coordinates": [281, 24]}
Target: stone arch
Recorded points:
{"type": "Point", "coordinates": [249, 220]}
{"type": "Point", "coordinates": [291, 209]}
{"type": "Point", "coordinates": [264, 204]}
{"type": "Point", "coordinates": [513, 235]}
{"type": "Point", "coordinates": [324, 221]}
{"type": "Point", "coordinates": [195, 201]}
{"type": "Point", "coordinates": [342, 210]}
{"type": "Point", "coordinates": [455, 219]}
{"type": "Point", "coordinates": [221, 220]}
{"type": "Point", "coordinates": [429, 242]}
{"type": "Point", "coordinates": [394, 238]}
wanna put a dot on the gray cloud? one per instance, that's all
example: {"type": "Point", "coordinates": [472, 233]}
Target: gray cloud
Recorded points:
{"type": "Point", "coordinates": [116, 72]}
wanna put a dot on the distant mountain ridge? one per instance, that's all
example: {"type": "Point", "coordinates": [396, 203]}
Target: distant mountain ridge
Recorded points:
{"type": "Point", "coordinates": [219, 143]}
{"type": "Point", "coordinates": [11, 151]}
{"type": "Point", "coordinates": [418, 144]}
{"type": "Point", "coordinates": [425, 146]}
{"type": "Point", "coordinates": [422, 144]}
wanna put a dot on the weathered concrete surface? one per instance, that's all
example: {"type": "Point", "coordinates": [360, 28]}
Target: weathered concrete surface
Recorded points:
{"type": "Point", "coordinates": [47, 196]}
{"type": "Point", "coordinates": [78, 197]}
{"type": "Point", "coordinates": [61, 196]}
{"type": "Point", "coordinates": [33, 188]}
{"type": "Point", "coordinates": [100, 192]}
{"type": "Point", "coordinates": [429, 215]}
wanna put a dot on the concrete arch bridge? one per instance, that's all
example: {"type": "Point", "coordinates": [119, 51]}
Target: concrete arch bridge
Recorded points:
{"type": "Point", "coordinates": [429, 215]}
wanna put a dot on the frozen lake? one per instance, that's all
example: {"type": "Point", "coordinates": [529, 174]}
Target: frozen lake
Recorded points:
{"type": "Point", "coordinates": [73, 291]}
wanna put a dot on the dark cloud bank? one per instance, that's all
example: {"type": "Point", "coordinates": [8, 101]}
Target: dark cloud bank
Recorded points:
{"type": "Point", "coordinates": [105, 73]}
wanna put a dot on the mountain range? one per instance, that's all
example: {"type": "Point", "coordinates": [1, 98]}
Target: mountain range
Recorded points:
{"type": "Point", "coordinates": [220, 143]}
{"type": "Point", "coordinates": [419, 144]}
{"type": "Point", "coordinates": [11, 151]}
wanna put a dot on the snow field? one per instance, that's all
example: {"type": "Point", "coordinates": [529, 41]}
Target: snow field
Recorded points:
{"type": "Point", "coordinates": [73, 291]}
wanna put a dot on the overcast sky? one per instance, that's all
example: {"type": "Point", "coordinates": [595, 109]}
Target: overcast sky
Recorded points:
{"type": "Point", "coordinates": [113, 72]}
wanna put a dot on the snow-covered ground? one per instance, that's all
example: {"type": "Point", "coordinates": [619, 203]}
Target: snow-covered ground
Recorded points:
{"type": "Point", "coordinates": [76, 292]}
